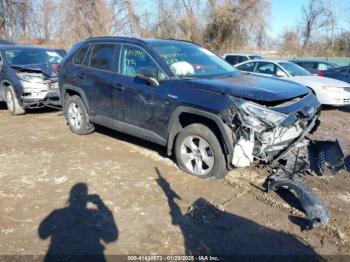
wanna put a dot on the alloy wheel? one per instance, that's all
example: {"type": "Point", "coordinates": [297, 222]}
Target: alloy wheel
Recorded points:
{"type": "Point", "coordinates": [9, 101]}
{"type": "Point", "coordinates": [75, 116]}
{"type": "Point", "coordinates": [197, 155]}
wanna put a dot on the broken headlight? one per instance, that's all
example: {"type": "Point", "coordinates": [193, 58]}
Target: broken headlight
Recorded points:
{"type": "Point", "coordinates": [30, 77]}
{"type": "Point", "coordinates": [258, 116]}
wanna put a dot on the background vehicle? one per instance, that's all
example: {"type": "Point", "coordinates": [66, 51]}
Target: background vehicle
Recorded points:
{"type": "Point", "coordinates": [61, 52]}
{"type": "Point", "coordinates": [28, 77]}
{"type": "Point", "coordinates": [328, 91]}
{"type": "Point", "coordinates": [182, 96]}
{"type": "Point", "coordinates": [315, 67]}
{"type": "Point", "coordinates": [6, 42]}
{"type": "Point", "coordinates": [340, 73]}
{"type": "Point", "coordinates": [239, 58]}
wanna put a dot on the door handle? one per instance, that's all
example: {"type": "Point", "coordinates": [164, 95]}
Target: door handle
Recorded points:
{"type": "Point", "coordinates": [119, 87]}
{"type": "Point", "coordinates": [82, 75]}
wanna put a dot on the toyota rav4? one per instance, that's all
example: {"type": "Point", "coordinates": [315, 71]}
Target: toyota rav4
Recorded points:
{"type": "Point", "coordinates": [28, 77]}
{"type": "Point", "coordinates": [182, 96]}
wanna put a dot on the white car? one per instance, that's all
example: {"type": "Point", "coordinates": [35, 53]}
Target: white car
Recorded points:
{"type": "Point", "coordinates": [328, 91]}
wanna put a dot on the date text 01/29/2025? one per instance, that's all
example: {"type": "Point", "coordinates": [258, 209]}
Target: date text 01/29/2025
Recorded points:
{"type": "Point", "coordinates": [172, 258]}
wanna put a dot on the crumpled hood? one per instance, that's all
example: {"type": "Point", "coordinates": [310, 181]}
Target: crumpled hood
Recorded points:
{"type": "Point", "coordinates": [46, 69]}
{"type": "Point", "coordinates": [318, 81]}
{"type": "Point", "coordinates": [253, 87]}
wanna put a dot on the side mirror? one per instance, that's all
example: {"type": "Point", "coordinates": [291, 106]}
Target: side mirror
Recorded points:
{"type": "Point", "coordinates": [148, 74]}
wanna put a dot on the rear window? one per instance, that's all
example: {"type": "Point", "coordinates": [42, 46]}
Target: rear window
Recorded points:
{"type": "Point", "coordinates": [102, 56]}
{"type": "Point", "coordinates": [342, 69]}
{"type": "Point", "coordinates": [80, 55]}
{"type": "Point", "coordinates": [231, 59]}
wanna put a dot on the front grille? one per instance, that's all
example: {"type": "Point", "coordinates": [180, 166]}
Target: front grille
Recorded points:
{"type": "Point", "coordinates": [346, 100]}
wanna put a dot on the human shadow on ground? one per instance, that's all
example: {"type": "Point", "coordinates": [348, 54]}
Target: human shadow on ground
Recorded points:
{"type": "Point", "coordinates": [340, 108]}
{"type": "Point", "coordinates": [40, 110]}
{"type": "Point", "coordinates": [210, 231]}
{"type": "Point", "coordinates": [347, 163]}
{"type": "Point", "coordinates": [77, 230]}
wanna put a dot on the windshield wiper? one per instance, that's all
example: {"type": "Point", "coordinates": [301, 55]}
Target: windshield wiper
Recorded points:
{"type": "Point", "coordinates": [224, 76]}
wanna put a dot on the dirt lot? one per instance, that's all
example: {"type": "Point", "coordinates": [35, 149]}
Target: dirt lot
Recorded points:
{"type": "Point", "coordinates": [139, 202]}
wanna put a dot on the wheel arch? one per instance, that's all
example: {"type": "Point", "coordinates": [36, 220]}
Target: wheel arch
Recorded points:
{"type": "Point", "coordinates": [73, 90]}
{"type": "Point", "coordinates": [193, 115]}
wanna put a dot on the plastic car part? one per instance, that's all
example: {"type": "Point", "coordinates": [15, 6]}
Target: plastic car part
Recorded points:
{"type": "Point", "coordinates": [296, 163]}
{"type": "Point", "coordinates": [316, 211]}
{"type": "Point", "coordinates": [330, 156]}
{"type": "Point", "coordinates": [290, 174]}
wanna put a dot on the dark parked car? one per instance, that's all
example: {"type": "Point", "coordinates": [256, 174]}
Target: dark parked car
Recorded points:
{"type": "Point", "coordinates": [61, 52]}
{"type": "Point", "coordinates": [28, 77]}
{"type": "Point", "coordinates": [233, 59]}
{"type": "Point", "coordinates": [184, 97]}
{"type": "Point", "coordinates": [340, 73]}
{"type": "Point", "coordinates": [315, 67]}
{"type": "Point", "coordinates": [6, 42]}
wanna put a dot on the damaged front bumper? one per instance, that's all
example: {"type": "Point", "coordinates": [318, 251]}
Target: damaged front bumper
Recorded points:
{"type": "Point", "coordinates": [40, 94]}
{"type": "Point", "coordinates": [283, 148]}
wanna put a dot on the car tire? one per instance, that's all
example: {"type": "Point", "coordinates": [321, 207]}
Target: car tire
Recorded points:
{"type": "Point", "coordinates": [13, 105]}
{"type": "Point", "coordinates": [199, 153]}
{"type": "Point", "coordinates": [77, 116]}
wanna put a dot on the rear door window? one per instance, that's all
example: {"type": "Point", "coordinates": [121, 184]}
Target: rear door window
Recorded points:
{"type": "Point", "coordinates": [248, 67]}
{"type": "Point", "coordinates": [323, 66]}
{"type": "Point", "coordinates": [266, 68]}
{"type": "Point", "coordinates": [102, 56]}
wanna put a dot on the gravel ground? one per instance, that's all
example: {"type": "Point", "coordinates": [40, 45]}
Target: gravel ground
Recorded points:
{"type": "Point", "coordinates": [114, 194]}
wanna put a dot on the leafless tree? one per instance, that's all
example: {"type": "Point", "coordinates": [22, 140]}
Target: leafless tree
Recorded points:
{"type": "Point", "coordinates": [233, 24]}
{"type": "Point", "coordinates": [314, 18]}
{"type": "Point", "coordinates": [13, 18]}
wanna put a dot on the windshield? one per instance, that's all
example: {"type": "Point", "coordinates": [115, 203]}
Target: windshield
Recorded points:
{"type": "Point", "coordinates": [32, 56]}
{"type": "Point", "coordinates": [294, 69]}
{"type": "Point", "coordinates": [191, 61]}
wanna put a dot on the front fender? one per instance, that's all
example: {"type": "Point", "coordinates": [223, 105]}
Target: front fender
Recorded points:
{"type": "Point", "coordinates": [174, 128]}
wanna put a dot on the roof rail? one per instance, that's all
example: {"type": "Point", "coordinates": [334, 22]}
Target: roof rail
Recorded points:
{"type": "Point", "coordinates": [115, 37]}
{"type": "Point", "coordinates": [187, 41]}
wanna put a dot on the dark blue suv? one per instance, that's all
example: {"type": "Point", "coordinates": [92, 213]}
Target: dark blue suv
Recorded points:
{"type": "Point", "coordinates": [182, 96]}
{"type": "Point", "coordinates": [28, 77]}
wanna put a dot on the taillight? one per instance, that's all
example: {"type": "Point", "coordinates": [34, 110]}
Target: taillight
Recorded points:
{"type": "Point", "coordinates": [320, 73]}
{"type": "Point", "coordinates": [56, 68]}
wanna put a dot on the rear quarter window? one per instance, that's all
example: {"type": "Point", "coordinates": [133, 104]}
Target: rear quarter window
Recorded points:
{"type": "Point", "coordinates": [80, 55]}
